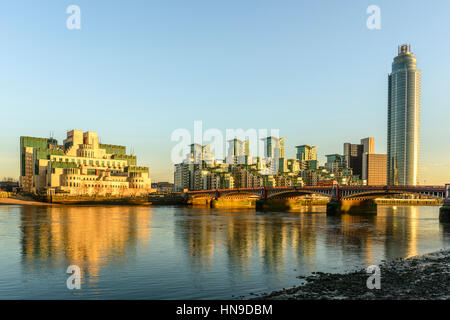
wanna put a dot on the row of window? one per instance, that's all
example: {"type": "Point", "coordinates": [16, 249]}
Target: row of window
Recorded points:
{"type": "Point", "coordinates": [77, 184]}
{"type": "Point", "coordinates": [97, 162]}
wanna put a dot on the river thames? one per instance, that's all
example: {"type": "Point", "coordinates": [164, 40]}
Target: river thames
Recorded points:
{"type": "Point", "coordinates": [196, 253]}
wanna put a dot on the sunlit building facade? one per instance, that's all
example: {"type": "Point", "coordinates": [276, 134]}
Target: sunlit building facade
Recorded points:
{"type": "Point", "coordinates": [307, 155]}
{"type": "Point", "coordinates": [403, 138]}
{"type": "Point", "coordinates": [81, 166]}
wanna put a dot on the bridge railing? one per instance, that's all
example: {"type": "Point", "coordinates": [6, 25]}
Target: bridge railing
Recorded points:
{"type": "Point", "coordinates": [355, 188]}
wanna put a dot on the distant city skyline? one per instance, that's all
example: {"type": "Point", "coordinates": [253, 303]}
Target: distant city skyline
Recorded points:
{"type": "Point", "coordinates": [138, 72]}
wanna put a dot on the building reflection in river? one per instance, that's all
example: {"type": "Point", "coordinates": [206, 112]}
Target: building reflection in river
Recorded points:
{"type": "Point", "coordinates": [279, 238]}
{"type": "Point", "coordinates": [239, 242]}
{"type": "Point", "coordinates": [84, 236]}
{"type": "Point", "coordinates": [183, 252]}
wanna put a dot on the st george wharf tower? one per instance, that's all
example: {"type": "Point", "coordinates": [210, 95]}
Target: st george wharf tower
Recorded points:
{"type": "Point", "coordinates": [403, 138]}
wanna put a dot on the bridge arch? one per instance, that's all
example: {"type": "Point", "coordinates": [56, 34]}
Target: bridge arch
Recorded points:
{"type": "Point", "coordinates": [240, 195]}
{"type": "Point", "coordinates": [384, 193]}
{"type": "Point", "coordinates": [201, 196]}
{"type": "Point", "coordinates": [295, 193]}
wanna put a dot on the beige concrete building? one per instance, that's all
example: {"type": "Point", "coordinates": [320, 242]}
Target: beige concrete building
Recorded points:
{"type": "Point", "coordinates": [81, 166]}
{"type": "Point", "coordinates": [376, 169]}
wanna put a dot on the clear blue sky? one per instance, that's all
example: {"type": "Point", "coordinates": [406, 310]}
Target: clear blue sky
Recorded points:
{"type": "Point", "coordinates": [137, 70]}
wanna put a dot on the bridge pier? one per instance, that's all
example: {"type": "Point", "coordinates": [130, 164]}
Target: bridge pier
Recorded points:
{"type": "Point", "coordinates": [199, 201]}
{"type": "Point", "coordinates": [272, 205]}
{"type": "Point", "coordinates": [444, 212]}
{"type": "Point", "coordinates": [337, 207]}
{"type": "Point", "coordinates": [232, 203]}
{"type": "Point", "coordinates": [287, 204]}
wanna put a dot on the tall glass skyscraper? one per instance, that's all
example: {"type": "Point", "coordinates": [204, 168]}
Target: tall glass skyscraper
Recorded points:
{"type": "Point", "coordinates": [403, 119]}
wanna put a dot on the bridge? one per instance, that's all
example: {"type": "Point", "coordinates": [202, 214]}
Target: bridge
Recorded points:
{"type": "Point", "coordinates": [342, 198]}
{"type": "Point", "coordinates": [335, 192]}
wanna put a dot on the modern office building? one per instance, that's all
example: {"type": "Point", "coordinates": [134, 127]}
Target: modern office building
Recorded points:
{"type": "Point", "coordinates": [368, 145]}
{"type": "Point", "coordinates": [403, 139]}
{"type": "Point", "coordinates": [354, 155]}
{"type": "Point", "coordinates": [81, 166]}
{"type": "Point", "coordinates": [376, 169]}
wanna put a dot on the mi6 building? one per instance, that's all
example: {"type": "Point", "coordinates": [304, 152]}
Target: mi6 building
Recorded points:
{"type": "Point", "coordinates": [80, 166]}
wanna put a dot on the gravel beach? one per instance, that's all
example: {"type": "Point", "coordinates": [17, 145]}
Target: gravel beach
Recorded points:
{"type": "Point", "coordinates": [425, 277]}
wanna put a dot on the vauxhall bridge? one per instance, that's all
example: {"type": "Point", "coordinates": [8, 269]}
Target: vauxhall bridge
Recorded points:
{"type": "Point", "coordinates": [342, 198]}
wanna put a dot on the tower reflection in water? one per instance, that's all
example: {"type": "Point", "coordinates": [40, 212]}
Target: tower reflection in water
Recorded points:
{"type": "Point", "coordinates": [308, 241]}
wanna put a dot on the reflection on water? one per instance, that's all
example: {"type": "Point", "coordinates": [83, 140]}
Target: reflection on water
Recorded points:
{"type": "Point", "coordinates": [87, 237]}
{"type": "Point", "coordinates": [195, 253]}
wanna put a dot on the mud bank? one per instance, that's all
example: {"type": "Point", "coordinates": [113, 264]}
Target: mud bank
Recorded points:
{"type": "Point", "coordinates": [416, 278]}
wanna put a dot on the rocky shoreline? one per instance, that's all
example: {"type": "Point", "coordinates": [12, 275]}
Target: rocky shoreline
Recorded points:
{"type": "Point", "coordinates": [425, 277]}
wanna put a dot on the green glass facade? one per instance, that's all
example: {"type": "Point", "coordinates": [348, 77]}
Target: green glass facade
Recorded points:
{"type": "Point", "coordinates": [41, 149]}
{"type": "Point", "coordinates": [113, 149]}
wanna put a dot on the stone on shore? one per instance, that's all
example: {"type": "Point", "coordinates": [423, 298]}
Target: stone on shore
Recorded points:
{"type": "Point", "coordinates": [425, 277]}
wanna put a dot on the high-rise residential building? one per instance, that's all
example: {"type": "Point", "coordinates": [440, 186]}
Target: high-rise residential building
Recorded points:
{"type": "Point", "coordinates": [403, 139]}
{"type": "Point", "coordinates": [306, 152]}
{"type": "Point", "coordinates": [307, 155]}
{"type": "Point", "coordinates": [310, 177]}
{"type": "Point", "coordinates": [200, 154]}
{"type": "Point", "coordinates": [274, 147]}
{"type": "Point", "coordinates": [185, 173]}
{"type": "Point", "coordinates": [196, 154]}
{"type": "Point", "coordinates": [335, 162]}
{"type": "Point", "coordinates": [273, 153]}
{"type": "Point", "coordinates": [181, 176]}
{"type": "Point", "coordinates": [236, 147]}
{"type": "Point", "coordinates": [238, 152]}
{"type": "Point", "coordinates": [81, 166]}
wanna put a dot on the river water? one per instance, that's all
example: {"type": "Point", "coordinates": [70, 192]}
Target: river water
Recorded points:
{"type": "Point", "coordinates": [196, 253]}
